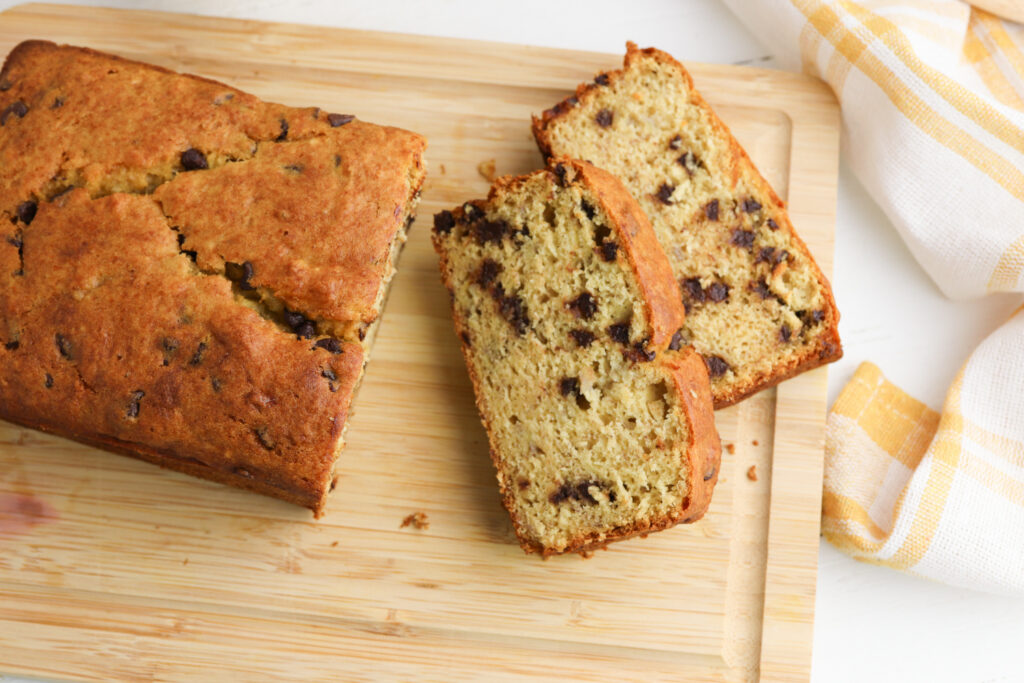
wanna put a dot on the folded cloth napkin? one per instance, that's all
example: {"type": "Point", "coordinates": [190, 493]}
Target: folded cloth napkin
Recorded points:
{"type": "Point", "coordinates": [932, 98]}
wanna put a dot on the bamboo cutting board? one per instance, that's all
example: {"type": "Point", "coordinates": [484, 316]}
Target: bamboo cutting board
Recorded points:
{"type": "Point", "coordinates": [111, 569]}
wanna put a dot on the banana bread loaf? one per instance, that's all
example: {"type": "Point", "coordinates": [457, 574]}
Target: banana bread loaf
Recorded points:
{"type": "Point", "coordinates": [189, 275]}
{"type": "Point", "coordinates": [600, 427]}
{"type": "Point", "coordinates": [759, 309]}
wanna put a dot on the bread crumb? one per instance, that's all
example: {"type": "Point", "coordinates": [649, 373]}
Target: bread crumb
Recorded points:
{"type": "Point", "coordinates": [730, 448]}
{"type": "Point", "coordinates": [754, 442]}
{"type": "Point", "coordinates": [486, 169]}
{"type": "Point", "coordinates": [417, 520]}
{"type": "Point", "coordinates": [752, 473]}
{"type": "Point", "coordinates": [185, 562]}
{"type": "Point", "coordinates": [334, 544]}
{"type": "Point", "coordinates": [442, 169]}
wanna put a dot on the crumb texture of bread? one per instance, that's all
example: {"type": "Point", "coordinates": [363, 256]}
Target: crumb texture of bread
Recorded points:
{"type": "Point", "coordinates": [758, 308]}
{"type": "Point", "coordinates": [189, 274]}
{"type": "Point", "coordinates": [597, 429]}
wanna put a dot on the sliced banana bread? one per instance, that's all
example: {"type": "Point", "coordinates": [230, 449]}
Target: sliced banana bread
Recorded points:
{"type": "Point", "coordinates": [600, 427]}
{"type": "Point", "coordinates": [759, 310]}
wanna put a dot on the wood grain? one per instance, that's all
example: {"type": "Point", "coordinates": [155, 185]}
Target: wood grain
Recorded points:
{"type": "Point", "coordinates": [112, 569]}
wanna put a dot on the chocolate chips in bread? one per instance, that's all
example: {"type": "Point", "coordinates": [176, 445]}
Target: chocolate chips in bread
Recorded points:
{"type": "Point", "coordinates": [188, 274]}
{"type": "Point", "coordinates": [759, 309]}
{"type": "Point", "coordinates": [600, 427]}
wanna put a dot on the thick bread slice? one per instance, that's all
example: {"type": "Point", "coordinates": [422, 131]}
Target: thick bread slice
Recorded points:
{"type": "Point", "coordinates": [566, 308]}
{"type": "Point", "coordinates": [759, 310]}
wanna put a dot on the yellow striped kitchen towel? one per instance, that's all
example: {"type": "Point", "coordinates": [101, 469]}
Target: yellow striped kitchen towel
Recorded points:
{"type": "Point", "coordinates": [932, 98]}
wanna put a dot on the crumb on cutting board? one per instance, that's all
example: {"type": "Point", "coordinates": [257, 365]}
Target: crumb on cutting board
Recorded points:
{"type": "Point", "coordinates": [334, 544]}
{"type": "Point", "coordinates": [417, 520]}
{"type": "Point", "coordinates": [486, 169]}
{"type": "Point", "coordinates": [752, 473]}
{"type": "Point", "coordinates": [755, 442]}
{"type": "Point", "coordinates": [730, 448]}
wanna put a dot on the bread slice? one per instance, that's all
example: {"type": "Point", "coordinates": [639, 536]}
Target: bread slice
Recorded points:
{"type": "Point", "coordinates": [566, 308]}
{"type": "Point", "coordinates": [759, 310]}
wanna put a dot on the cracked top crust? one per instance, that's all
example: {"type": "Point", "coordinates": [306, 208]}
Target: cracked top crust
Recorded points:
{"type": "Point", "coordinates": [187, 272]}
{"type": "Point", "coordinates": [300, 194]}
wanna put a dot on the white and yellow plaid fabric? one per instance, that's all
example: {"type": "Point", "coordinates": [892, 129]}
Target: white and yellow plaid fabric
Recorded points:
{"type": "Point", "coordinates": [932, 97]}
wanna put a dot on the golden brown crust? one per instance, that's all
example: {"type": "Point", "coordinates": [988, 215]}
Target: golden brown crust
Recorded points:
{"type": "Point", "coordinates": [280, 179]}
{"type": "Point", "coordinates": [828, 347]}
{"type": "Point", "coordinates": [650, 266]}
{"type": "Point", "coordinates": [119, 325]}
{"type": "Point", "coordinates": [662, 298]}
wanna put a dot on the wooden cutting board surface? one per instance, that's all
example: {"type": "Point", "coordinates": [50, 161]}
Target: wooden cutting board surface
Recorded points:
{"type": "Point", "coordinates": [111, 569]}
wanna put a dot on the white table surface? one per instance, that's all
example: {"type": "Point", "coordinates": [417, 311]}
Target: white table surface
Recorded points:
{"type": "Point", "coordinates": [871, 623]}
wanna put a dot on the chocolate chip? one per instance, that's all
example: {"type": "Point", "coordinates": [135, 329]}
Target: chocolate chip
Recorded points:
{"type": "Point", "coordinates": [514, 311]}
{"type": "Point", "coordinates": [5, 85]}
{"type": "Point", "coordinates": [772, 224]}
{"type": "Point", "coordinates": [742, 238]}
{"type": "Point", "coordinates": [604, 118]}
{"type": "Point", "coordinates": [810, 318]}
{"type": "Point", "coordinates": [12, 345]}
{"type": "Point", "coordinates": [17, 108]}
{"type": "Point", "coordinates": [640, 353]}
{"type": "Point", "coordinates": [339, 119]}
{"type": "Point", "coordinates": [602, 79]}
{"type": "Point", "coordinates": [263, 436]}
{"type": "Point", "coordinates": [444, 222]}
{"type": "Point", "coordinates": [193, 160]}
{"type": "Point", "coordinates": [711, 210]}
{"type": "Point", "coordinates": [716, 366]}
{"type": "Point", "coordinates": [761, 289]}
{"type": "Point", "coordinates": [48, 383]}
{"type": "Point", "coordinates": [688, 161]}
{"type": "Point", "coordinates": [471, 211]}
{"type": "Point", "coordinates": [197, 357]}
{"type": "Point", "coordinates": [665, 193]}
{"type": "Point", "coordinates": [216, 384]}
{"type": "Point", "coordinates": [294, 168]}
{"type": "Point", "coordinates": [693, 289]}
{"type": "Point", "coordinates": [133, 403]}
{"type": "Point", "coordinates": [579, 492]}
{"type": "Point", "coordinates": [676, 143]}
{"type": "Point", "coordinates": [337, 160]}
{"type": "Point", "coordinates": [491, 231]}
{"type": "Point", "coordinates": [240, 273]}
{"type": "Point", "coordinates": [609, 250]}
{"type": "Point", "coordinates": [466, 339]}
{"type": "Point", "coordinates": [718, 291]}
{"type": "Point", "coordinates": [26, 211]}
{"type": "Point", "coordinates": [569, 386]}
{"type": "Point", "coordinates": [560, 172]}
{"type": "Point", "coordinates": [64, 346]}
{"type": "Point", "coordinates": [751, 205]}
{"type": "Point", "coordinates": [709, 475]}
{"type": "Point", "coordinates": [306, 330]}
{"type": "Point", "coordinates": [828, 350]}
{"type": "Point", "coordinates": [329, 375]}
{"type": "Point", "coordinates": [677, 341]}
{"type": "Point", "coordinates": [766, 254]}
{"type": "Point", "coordinates": [15, 241]}
{"type": "Point", "coordinates": [284, 131]}
{"type": "Point", "coordinates": [328, 344]}
{"type": "Point", "coordinates": [782, 256]}
{"type": "Point", "coordinates": [587, 208]}
{"type": "Point", "coordinates": [489, 270]}
{"type": "Point", "coordinates": [583, 338]}
{"type": "Point", "coordinates": [58, 102]}
{"type": "Point", "coordinates": [523, 483]}
{"type": "Point", "coordinates": [169, 344]}
{"type": "Point", "coordinates": [619, 332]}
{"type": "Point", "coordinates": [584, 306]}
{"type": "Point", "coordinates": [785, 333]}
